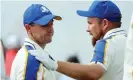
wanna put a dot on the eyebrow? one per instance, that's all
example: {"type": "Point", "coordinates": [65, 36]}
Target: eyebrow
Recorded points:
{"type": "Point", "coordinates": [88, 21]}
{"type": "Point", "coordinates": [48, 23]}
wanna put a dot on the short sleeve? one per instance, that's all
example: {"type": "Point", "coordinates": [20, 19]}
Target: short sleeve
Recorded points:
{"type": "Point", "coordinates": [102, 54]}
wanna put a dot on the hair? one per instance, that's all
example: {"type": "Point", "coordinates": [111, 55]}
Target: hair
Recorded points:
{"type": "Point", "coordinates": [31, 24]}
{"type": "Point", "coordinates": [115, 24]}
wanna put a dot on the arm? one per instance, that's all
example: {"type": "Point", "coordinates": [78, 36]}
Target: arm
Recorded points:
{"type": "Point", "coordinates": [99, 63]}
{"type": "Point", "coordinates": [83, 72]}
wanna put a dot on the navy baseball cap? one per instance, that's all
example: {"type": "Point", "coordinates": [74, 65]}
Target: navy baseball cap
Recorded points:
{"type": "Point", "coordinates": [38, 14]}
{"type": "Point", "coordinates": [104, 10]}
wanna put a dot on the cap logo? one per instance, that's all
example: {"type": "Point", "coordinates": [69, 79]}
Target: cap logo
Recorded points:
{"type": "Point", "coordinates": [44, 9]}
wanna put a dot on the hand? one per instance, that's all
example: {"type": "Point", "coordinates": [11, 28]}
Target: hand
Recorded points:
{"type": "Point", "coordinates": [45, 58]}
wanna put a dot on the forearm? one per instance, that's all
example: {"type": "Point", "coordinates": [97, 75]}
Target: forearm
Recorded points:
{"type": "Point", "coordinates": [77, 71]}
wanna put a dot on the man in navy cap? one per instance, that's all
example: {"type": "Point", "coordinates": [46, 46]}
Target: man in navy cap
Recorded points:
{"type": "Point", "coordinates": [38, 22]}
{"type": "Point", "coordinates": [104, 22]}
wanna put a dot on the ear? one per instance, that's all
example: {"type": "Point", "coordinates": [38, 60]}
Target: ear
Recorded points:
{"type": "Point", "coordinates": [105, 24]}
{"type": "Point", "coordinates": [27, 27]}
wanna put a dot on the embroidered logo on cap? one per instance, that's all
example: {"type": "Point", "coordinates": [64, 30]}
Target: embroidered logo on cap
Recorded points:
{"type": "Point", "coordinates": [44, 9]}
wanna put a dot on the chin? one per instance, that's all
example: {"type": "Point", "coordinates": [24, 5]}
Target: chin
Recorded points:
{"type": "Point", "coordinates": [49, 41]}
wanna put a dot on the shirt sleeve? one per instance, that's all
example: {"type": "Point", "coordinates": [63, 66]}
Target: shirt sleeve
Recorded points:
{"type": "Point", "coordinates": [102, 54]}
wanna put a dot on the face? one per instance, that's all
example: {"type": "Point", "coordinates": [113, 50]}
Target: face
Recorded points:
{"type": "Point", "coordinates": [95, 28]}
{"type": "Point", "coordinates": [41, 34]}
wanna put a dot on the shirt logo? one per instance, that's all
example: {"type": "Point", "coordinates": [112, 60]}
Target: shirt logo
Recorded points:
{"type": "Point", "coordinates": [44, 9]}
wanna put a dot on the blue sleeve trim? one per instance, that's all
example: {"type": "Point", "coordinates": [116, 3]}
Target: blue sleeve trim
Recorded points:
{"type": "Point", "coordinates": [32, 66]}
{"type": "Point", "coordinates": [99, 52]}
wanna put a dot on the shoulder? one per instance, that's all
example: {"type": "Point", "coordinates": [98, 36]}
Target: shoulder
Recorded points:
{"type": "Point", "coordinates": [115, 41]}
{"type": "Point", "coordinates": [105, 46]}
{"type": "Point", "coordinates": [19, 59]}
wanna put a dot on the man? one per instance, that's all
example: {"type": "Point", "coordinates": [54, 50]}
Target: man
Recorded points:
{"type": "Point", "coordinates": [38, 22]}
{"type": "Point", "coordinates": [128, 62]}
{"type": "Point", "coordinates": [104, 21]}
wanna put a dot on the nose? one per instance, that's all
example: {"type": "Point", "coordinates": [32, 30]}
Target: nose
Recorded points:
{"type": "Point", "coordinates": [88, 30]}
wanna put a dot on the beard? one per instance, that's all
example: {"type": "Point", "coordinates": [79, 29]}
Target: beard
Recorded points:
{"type": "Point", "coordinates": [95, 39]}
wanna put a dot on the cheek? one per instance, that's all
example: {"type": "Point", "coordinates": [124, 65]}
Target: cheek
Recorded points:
{"type": "Point", "coordinates": [42, 34]}
{"type": "Point", "coordinates": [35, 30]}
{"type": "Point", "coordinates": [97, 29]}
{"type": "Point", "coordinates": [93, 28]}
{"type": "Point", "coordinates": [98, 32]}
{"type": "Point", "coordinates": [38, 33]}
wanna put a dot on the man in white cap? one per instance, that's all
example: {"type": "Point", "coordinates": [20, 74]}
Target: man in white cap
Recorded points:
{"type": "Point", "coordinates": [128, 62]}
{"type": "Point", "coordinates": [38, 22]}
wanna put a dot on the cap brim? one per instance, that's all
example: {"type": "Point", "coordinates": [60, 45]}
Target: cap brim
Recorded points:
{"type": "Point", "coordinates": [85, 13]}
{"type": "Point", "coordinates": [46, 19]}
{"type": "Point", "coordinates": [57, 18]}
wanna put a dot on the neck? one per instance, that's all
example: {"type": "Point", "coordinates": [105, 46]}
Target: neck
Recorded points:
{"type": "Point", "coordinates": [108, 29]}
{"type": "Point", "coordinates": [40, 44]}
